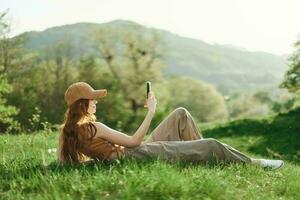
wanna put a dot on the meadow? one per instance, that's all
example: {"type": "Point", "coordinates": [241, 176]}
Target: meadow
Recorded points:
{"type": "Point", "coordinates": [28, 169]}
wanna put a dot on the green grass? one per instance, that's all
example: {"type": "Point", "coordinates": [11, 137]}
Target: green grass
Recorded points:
{"type": "Point", "coordinates": [29, 171]}
{"type": "Point", "coordinates": [275, 136]}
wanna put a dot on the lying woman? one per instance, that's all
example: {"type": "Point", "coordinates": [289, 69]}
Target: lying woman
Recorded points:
{"type": "Point", "coordinates": [176, 137]}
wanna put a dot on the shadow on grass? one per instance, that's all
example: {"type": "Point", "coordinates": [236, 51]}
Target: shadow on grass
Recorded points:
{"type": "Point", "coordinates": [281, 134]}
{"type": "Point", "coordinates": [29, 169]}
{"type": "Point", "coordinates": [127, 162]}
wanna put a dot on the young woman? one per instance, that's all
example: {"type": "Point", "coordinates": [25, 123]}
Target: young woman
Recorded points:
{"type": "Point", "coordinates": [176, 137]}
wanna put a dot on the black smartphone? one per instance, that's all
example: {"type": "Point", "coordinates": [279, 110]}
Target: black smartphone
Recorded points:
{"type": "Point", "coordinates": [148, 88]}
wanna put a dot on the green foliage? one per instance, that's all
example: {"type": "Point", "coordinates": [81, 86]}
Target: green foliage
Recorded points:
{"type": "Point", "coordinates": [42, 84]}
{"type": "Point", "coordinates": [89, 70]}
{"type": "Point", "coordinates": [7, 112]}
{"type": "Point", "coordinates": [262, 97]}
{"type": "Point", "coordinates": [34, 121]}
{"type": "Point", "coordinates": [37, 125]}
{"type": "Point", "coordinates": [261, 103]}
{"type": "Point", "coordinates": [292, 76]}
{"type": "Point", "coordinates": [287, 104]}
{"type": "Point", "coordinates": [201, 99]}
{"type": "Point", "coordinates": [248, 105]}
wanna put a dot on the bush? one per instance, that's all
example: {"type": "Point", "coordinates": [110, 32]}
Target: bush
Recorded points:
{"type": "Point", "coordinates": [7, 112]}
{"type": "Point", "coordinates": [200, 98]}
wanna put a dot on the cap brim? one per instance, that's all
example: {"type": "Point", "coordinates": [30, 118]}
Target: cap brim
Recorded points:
{"type": "Point", "coordinates": [99, 93]}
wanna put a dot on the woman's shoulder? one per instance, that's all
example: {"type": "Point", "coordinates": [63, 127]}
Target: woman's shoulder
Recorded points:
{"type": "Point", "coordinates": [101, 128]}
{"type": "Point", "coordinates": [97, 123]}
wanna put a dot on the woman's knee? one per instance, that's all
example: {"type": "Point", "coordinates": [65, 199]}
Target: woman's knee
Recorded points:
{"type": "Point", "coordinates": [181, 111]}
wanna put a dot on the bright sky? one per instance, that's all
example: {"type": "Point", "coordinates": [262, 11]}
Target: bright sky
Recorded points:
{"type": "Point", "coordinates": [257, 25]}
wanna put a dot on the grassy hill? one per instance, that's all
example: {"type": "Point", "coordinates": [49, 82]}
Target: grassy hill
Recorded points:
{"type": "Point", "coordinates": [230, 69]}
{"type": "Point", "coordinates": [28, 169]}
{"type": "Point", "coordinates": [275, 136]}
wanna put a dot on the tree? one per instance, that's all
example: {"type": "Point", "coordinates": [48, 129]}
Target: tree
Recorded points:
{"type": "Point", "coordinates": [7, 112]}
{"type": "Point", "coordinates": [89, 70]}
{"type": "Point", "coordinates": [292, 76]}
{"type": "Point", "coordinates": [60, 66]}
{"type": "Point", "coordinates": [200, 98]}
{"type": "Point", "coordinates": [133, 57]}
{"type": "Point", "coordinates": [5, 41]}
{"type": "Point", "coordinates": [11, 50]}
{"type": "Point", "coordinates": [42, 83]}
{"type": "Point", "coordinates": [248, 105]}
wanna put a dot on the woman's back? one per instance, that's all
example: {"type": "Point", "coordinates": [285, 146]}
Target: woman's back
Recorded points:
{"type": "Point", "coordinates": [93, 147]}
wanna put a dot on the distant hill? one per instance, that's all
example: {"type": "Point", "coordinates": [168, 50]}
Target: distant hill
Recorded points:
{"type": "Point", "coordinates": [229, 68]}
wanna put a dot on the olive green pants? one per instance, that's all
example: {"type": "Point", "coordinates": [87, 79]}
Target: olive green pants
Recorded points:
{"type": "Point", "coordinates": [177, 137]}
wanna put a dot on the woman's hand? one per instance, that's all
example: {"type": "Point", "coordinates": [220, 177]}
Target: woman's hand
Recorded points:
{"type": "Point", "coordinates": [151, 102]}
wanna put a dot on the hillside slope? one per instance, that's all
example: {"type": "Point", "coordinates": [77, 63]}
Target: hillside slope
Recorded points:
{"type": "Point", "coordinates": [275, 136]}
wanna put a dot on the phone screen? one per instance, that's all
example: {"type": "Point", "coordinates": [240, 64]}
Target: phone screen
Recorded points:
{"type": "Point", "coordinates": [148, 88]}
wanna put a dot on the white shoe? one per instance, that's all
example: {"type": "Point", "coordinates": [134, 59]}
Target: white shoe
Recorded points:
{"type": "Point", "coordinates": [272, 164]}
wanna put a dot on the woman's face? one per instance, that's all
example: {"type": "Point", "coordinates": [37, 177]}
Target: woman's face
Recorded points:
{"type": "Point", "coordinates": [92, 106]}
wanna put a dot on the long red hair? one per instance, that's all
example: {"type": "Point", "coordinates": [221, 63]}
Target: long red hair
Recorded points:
{"type": "Point", "coordinates": [76, 128]}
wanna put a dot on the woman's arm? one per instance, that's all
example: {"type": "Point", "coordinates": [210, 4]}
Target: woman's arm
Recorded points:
{"type": "Point", "coordinates": [142, 130]}
{"type": "Point", "coordinates": [123, 139]}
